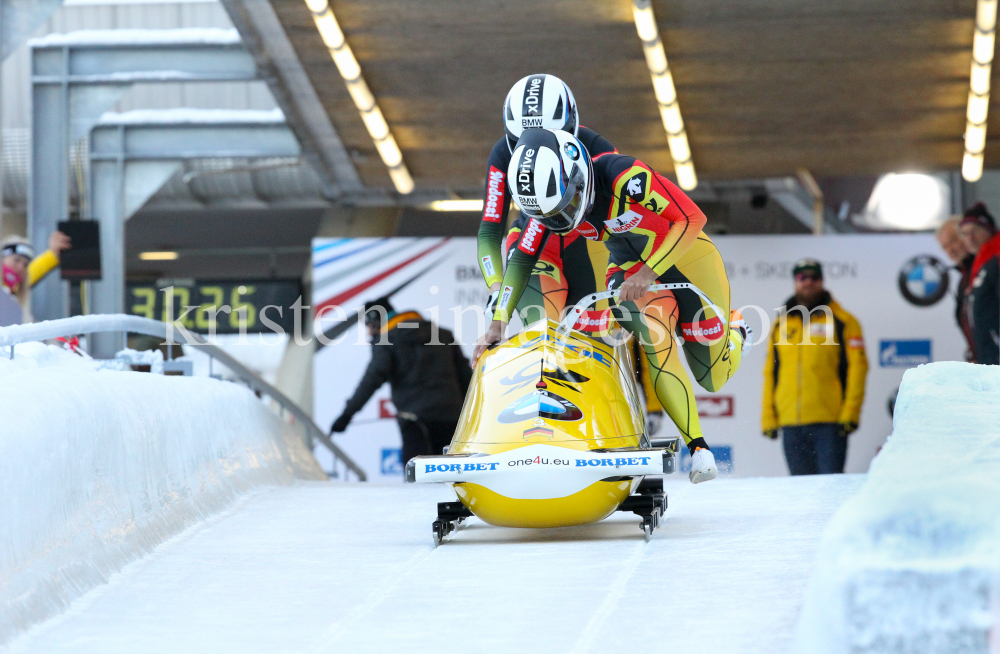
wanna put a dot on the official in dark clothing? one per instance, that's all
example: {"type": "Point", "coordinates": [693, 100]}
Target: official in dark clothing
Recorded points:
{"type": "Point", "coordinates": [427, 371]}
{"type": "Point", "coordinates": [982, 306]}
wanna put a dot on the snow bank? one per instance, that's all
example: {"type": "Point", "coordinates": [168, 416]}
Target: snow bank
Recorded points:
{"type": "Point", "coordinates": [99, 467]}
{"type": "Point", "coordinates": [912, 562]}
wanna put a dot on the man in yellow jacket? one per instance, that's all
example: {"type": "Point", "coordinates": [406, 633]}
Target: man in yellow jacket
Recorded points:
{"type": "Point", "coordinates": [814, 376]}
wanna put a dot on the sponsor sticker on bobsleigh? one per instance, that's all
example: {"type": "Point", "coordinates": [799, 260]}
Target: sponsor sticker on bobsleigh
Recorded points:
{"type": "Point", "coordinates": [904, 354]}
{"type": "Point", "coordinates": [569, 459]}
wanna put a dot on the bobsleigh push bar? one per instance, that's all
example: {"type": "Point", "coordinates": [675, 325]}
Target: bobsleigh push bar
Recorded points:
{"type": "Point", "coordinates": [581, 306]}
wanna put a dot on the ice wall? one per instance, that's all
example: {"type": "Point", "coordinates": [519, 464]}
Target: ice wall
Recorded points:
{"type": "Point", "coordinates": [99, 467]}
{"type": "Point", "coordinates": [912, 562]}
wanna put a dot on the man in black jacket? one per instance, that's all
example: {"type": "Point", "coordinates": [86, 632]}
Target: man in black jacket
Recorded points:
{"type": "Point", "coordinates": [428, 374]}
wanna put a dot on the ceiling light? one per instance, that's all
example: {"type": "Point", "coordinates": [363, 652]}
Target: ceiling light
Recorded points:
{"type": "Point", "coordinates": [908, 201]}
{"type": "Point", "coordinates": [983, 42]}
{"type": "Point", "coordinates": [456, 205]}
{"type": "Point", "coordinates": [158, 256]}
{"type": "Point", "coordinates": [350, 70]}
{"type": "Point", "coordinates": [666, 94]}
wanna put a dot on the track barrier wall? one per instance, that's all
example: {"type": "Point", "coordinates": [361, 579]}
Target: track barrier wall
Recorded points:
{"type": "Point", "coordinates": [99, 467]}
{"type": "Point", "coordinates": [912, 562]}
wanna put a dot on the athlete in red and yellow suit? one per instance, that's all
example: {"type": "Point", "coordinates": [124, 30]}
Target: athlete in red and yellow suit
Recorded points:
{"type": "Point", "coordinates": [652, 228]}
{"type": "Point", "coordinates": [568, 267]}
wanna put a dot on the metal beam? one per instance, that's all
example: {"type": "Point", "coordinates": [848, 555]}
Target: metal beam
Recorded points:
{"type": "Point", "coordinates": [19, 19]}
{"type": "Point", "coordinates": [801, 205]}
{"type": "Point", "coordinates": [76, 77]}
{"type": "Point", "coordinates": [291, 87]}
{"type": "Point", "coordinates": [133, 154]}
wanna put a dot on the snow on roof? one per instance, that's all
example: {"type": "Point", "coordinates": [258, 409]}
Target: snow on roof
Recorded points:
{"type": "Point", "coordinates": [140, 37]}
{"type": "Point", "coordinates": [200, 116]}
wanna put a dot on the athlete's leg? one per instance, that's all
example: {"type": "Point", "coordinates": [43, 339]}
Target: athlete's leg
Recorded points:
{"type": "Point", "coordinates": [712, 349]}
{"type": "Point", "coordinates": [653, 320]}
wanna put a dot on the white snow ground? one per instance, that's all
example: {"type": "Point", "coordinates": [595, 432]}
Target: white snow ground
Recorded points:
{"type": "Point", "coordinates": [321, 567]}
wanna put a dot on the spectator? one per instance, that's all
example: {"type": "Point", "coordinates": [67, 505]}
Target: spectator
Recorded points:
{"type": "Point", "coordinates": [428, 374]}
{"type": "Point", "coordinates": [22, 269]}
{"type": "Point", "coordinates": [814, 376]}
{"type": "Point", "coordinates": [982, 297]}
{"type": "Point", "coordinates": [957, 250]}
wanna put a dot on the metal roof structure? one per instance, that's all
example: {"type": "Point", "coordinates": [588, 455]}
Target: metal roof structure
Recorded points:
{"type": "Point", "coordinates": [767, 87]}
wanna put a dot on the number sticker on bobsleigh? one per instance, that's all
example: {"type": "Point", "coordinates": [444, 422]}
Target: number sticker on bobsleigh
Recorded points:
{"type": "Point", "coordinates": [538, 471]}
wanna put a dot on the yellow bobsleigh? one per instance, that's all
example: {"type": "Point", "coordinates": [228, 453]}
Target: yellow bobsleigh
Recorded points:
{"type": "Point", "coordinates": [551, 435]}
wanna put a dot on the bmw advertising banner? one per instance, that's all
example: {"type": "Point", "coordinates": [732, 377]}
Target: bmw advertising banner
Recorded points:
{"type": "Point", "coordinates": [900, 287]}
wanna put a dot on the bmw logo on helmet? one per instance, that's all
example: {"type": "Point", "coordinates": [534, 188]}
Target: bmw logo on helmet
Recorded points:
{"type": "Point", "coordinates": [571, 151]}
{"type": "Point", "coordinates": [923, 280]}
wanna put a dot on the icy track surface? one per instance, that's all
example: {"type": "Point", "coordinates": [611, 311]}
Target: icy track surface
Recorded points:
{"type": "Point", "coordinates": [320, 567]}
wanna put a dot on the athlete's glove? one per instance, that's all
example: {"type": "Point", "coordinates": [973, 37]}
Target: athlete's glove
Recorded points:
{"type": "Point", "coordinates": [491, 306]}
{"type": "Point", "coordinates": [340, 424]}
{"type": "Point", "coordinates": [654, 420]}
{"type": "Point", "coordinates": [847, 428]}
{"type": "Point", "coordinates": [771, 433]}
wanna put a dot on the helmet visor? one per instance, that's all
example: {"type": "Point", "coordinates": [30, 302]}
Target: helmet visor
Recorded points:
{"type": "Point", "coordinates": [570, 209]}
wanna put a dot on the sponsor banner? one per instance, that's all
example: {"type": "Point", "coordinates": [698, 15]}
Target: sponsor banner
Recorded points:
{"type": "Point", "coordinates": [392, 462]}
{"type": "Point", "coordinates": [715, 406]}
{"type": "Point", "coordinates": [441, 279]}
{"type": "Point", "coordinates": [904, 354]}
{"type": "Point", "coordinates": [539, 470]}
{"type": "Point", "coordinates": [723, 459]}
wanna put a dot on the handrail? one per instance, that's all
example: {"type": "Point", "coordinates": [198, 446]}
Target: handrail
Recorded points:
{"type": "Point", "coordinates": [17, 334]}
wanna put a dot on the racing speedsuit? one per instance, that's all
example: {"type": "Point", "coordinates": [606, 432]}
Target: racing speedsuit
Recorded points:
{"type": "Point", "coordinates": [643, 218]}
{"type": "Point", "coordinates": [564, 271]}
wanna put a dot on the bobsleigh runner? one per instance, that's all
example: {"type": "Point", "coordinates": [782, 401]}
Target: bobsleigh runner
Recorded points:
{"type": "Point", "coordinates": [552, 434]}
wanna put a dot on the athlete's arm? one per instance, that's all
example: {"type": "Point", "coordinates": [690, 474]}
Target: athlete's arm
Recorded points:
{"type": "Point", "coordinates": [683, 221]}
{"type": "Point", "coordinates": [496, 201]}
{"type": "Point", "coordinates": [521, 262]}
{"type": "Point", "coordinates": [647, 205]}
{"type": "Point", "coordinates": [524, 255]}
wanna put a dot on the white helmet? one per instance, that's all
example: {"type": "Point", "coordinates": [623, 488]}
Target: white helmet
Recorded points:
{"type": "Point", "coordinates": [539, 101]}
{"type": "Point", "coordinates": [552, 178]}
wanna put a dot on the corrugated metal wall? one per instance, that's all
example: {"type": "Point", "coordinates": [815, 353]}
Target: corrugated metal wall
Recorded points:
{"type": "Point", "coordinates": [123, 14]}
